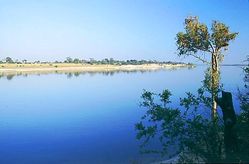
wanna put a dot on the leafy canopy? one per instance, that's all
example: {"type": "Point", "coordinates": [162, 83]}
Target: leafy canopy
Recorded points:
{"type": "Point", "coordinates": [197, 38]}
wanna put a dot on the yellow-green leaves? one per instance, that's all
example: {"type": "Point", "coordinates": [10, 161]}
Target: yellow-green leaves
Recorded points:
{"type": "Point", "coordinates": [197, 38]}
{"type": "Point", "coordinates": [221, 36]}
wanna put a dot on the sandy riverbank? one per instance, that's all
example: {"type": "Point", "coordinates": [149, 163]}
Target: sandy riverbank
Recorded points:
{"type": "Point", "coordinates": [26, 68]}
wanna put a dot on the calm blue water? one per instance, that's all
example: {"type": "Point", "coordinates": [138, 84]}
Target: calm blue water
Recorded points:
{"type": "Point", "coordinates": [87, 118]}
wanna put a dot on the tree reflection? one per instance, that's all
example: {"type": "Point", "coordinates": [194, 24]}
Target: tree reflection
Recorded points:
{"type": "Point", "coordinates": [195, 136]}
{"type": "Point", "coordinates": [10, 77]}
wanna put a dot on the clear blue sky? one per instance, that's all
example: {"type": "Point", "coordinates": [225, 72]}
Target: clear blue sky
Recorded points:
{"type": "Point", "coordinates": [122, 29]}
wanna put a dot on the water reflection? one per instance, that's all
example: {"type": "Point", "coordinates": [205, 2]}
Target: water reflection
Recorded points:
{"type": "Point", "coordinates": [188, 133]}
{"type": "Point", "coordinates": [10, 77]}
{"type": "Point", "coordinates": [70, 74]}
{"type": "Point", "coordinates": [87, 119]}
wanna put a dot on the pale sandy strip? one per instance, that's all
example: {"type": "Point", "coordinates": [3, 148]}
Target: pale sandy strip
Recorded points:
{"type": "Point", "coordinates": [91, 68]}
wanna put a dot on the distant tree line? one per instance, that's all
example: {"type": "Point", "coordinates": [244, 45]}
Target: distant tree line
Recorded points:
{"type": "Point", "coordinates": [91, 61]}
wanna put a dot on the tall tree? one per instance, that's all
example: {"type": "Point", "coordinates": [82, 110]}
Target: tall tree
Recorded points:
{"type": "Point", "coordinates": [198, 40]}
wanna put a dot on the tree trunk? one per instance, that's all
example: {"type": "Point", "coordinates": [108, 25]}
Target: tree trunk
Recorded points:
{"type": "Point", "coordinates": [215, 84]}
{"type": "Point", "coordinates": [229, 117]}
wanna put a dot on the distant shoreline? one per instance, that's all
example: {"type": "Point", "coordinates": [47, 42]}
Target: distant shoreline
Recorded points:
{"type": "Point", "coordinates": [234, 65]}
{"type": "Point", "coordinates": [70, 67]}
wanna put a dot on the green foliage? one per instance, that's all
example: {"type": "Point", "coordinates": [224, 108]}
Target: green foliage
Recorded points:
{"type": "Point", "coordinates": [195, 135]}
{"type": "Point", "coordinates": [91, 61]}
{"type": "Point", "coordinates": [76, 61]}
{"type": "Point", "coordinates": [243, 118]}
{"type": "Point", "coordinates": [221, 35]}
{"type": "Point", "coordinates": [9, 60]}
{"type": "Point", "coordinates": [156, 113]}
{"type": "Point", "coordinates": [68, 60]}
{"type": "Point", "coordinates": [197, 38]}
{"type": "Point", "coordinates": [197, 138]}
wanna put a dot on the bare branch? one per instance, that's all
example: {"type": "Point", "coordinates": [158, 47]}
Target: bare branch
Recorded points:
{"type": "Point", "coordinates": [199, 58]}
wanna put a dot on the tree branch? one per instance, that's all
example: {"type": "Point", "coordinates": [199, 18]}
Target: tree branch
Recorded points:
{"type": "Point", "coordinates": [199, 58]}
{"type": "Point", "coordinates": [211, 46]}
{"type": "Point", "coordinates": [202, 49]}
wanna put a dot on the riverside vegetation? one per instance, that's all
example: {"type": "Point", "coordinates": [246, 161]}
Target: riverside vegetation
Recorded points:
{"type": "Point", "coordinates": [223, 137]}
{"type": "Point", "coordinates": [9, 66]}
{"type": "Point", "coordinates": [91, 61]}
